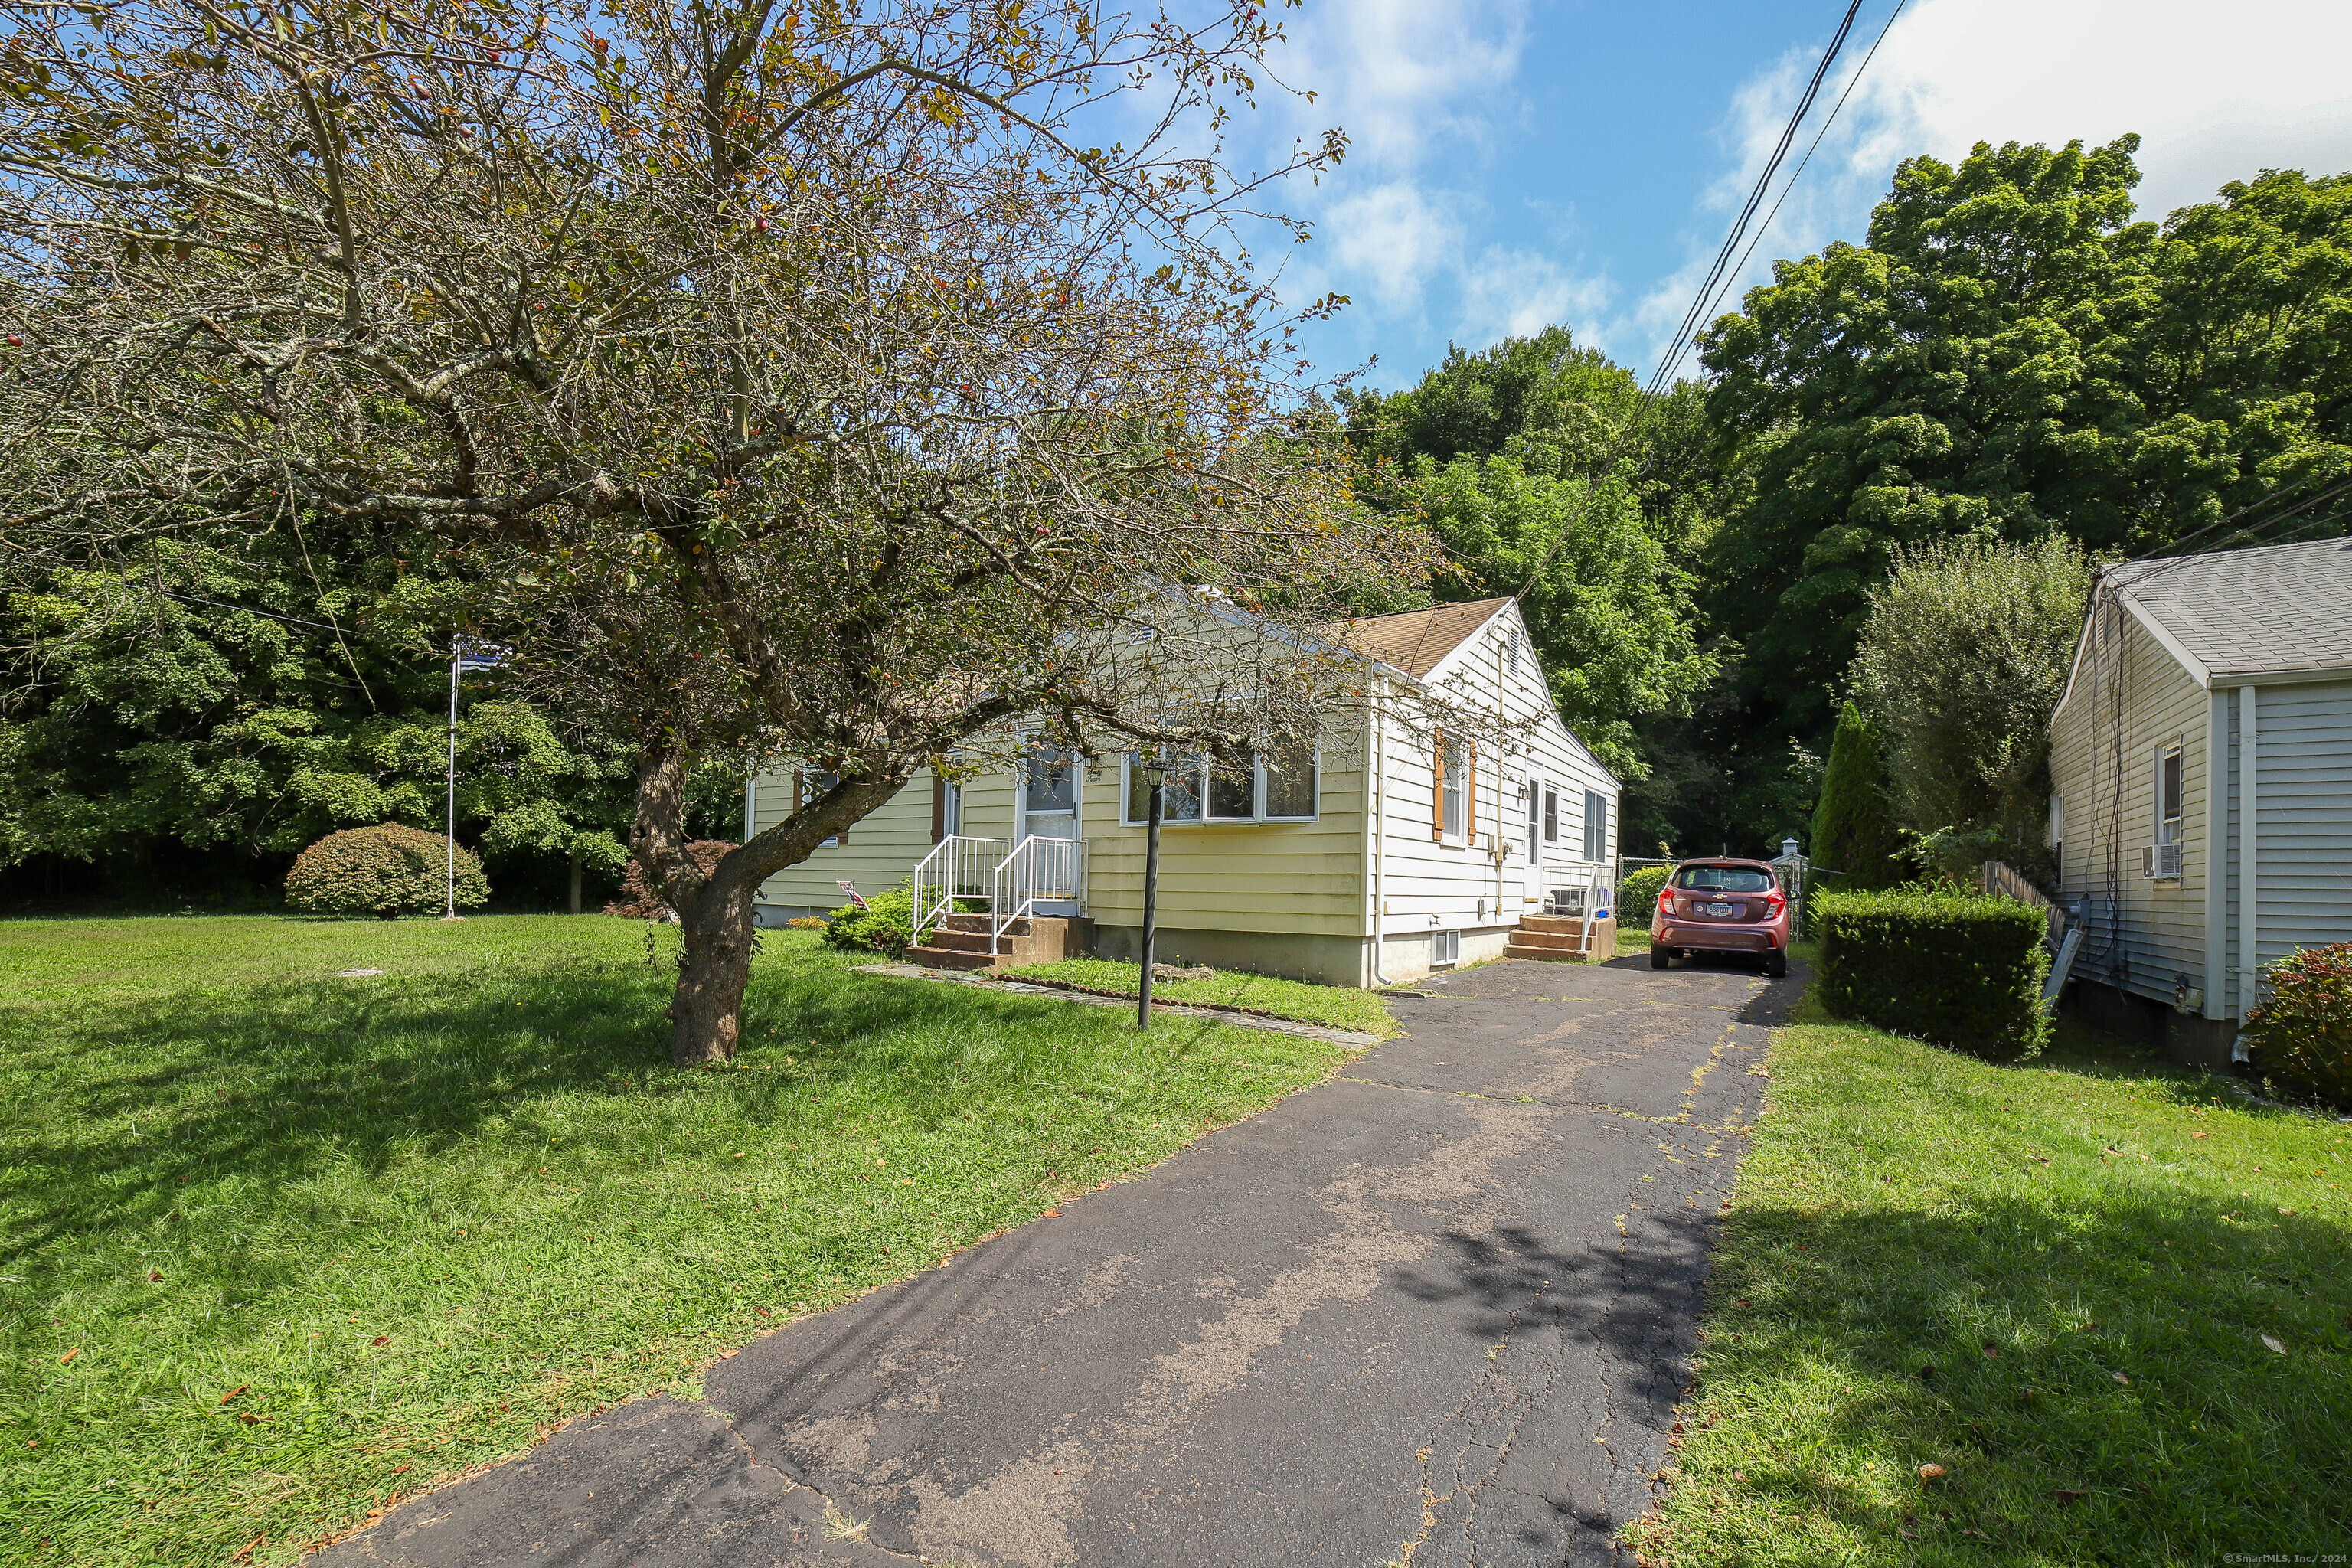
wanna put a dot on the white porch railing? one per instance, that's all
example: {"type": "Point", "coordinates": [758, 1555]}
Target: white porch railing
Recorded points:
{"type": "Point", "coordinates": [957, 868]}
{"type": "Point", "coordinates": [1580, 888]}
{"type": "Point", "coordinates": [1039, 870]}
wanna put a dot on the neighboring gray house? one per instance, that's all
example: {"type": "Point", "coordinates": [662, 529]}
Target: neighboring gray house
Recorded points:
{"type": "Point", "coordinates": [2194, 674]}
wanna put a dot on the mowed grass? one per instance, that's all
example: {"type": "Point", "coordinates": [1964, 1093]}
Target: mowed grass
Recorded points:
{"type": "Point", "coordinates": [1336, 1007]}
{"type": "Point", "coordinates": [280, 1246]}
{"type": "Point", "coordinates": [2113, 1303]}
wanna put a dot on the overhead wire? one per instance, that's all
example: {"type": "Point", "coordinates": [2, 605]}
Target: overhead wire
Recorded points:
{"type": "Point", "coordinates": [1709, 289]}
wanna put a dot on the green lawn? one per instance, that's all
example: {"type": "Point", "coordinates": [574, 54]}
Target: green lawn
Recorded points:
{"type": "Point", "coordinates": [280, 1246]}
{"type": "Point", "coordinates": [1338, 1006]}
{"type": "Point", "coordinates": [2113, 1303]}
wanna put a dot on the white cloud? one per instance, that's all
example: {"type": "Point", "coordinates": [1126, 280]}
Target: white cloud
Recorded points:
{"type": "Point", "coordinates": [1394, 235]}
{"type": "Point", "coordinates": [1516, 293]}
{"type": "Point", "coordinates": [2216, 93]}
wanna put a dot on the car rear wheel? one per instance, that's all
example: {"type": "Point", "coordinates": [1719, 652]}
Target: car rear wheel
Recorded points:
{"type": "Point", "coordinates": [1776, 965]}
{"type": "Point", "coordinates": [1661, 956]}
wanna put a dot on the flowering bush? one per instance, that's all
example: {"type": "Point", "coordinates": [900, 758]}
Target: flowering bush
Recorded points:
{"type": "Point", "coordinates": [2303, 1030]}
{"type": "Point", "coordinates": [388, 870]}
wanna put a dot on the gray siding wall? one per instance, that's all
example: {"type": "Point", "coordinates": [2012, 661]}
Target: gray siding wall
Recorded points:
{"type": "Point", "coordinates": [2303, 817]}
{"type": "Point", "coordinates": [2159, 933]}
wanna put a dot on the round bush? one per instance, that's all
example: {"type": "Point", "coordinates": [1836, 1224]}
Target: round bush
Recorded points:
{"type": "Point", "coordinates": [1637, 895]}
{"type": "Point", "coordinates": [885, 925]}
{"type": "Point", "coordinates": [2303, 1031]}
{"type": "Point", "coordinates": [390, 870]}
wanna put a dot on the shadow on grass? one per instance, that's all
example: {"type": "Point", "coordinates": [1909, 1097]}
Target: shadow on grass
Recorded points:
{"type": "Point", "coordinates": [271, 1083]}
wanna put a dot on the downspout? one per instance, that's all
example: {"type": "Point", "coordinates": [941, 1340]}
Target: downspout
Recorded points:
{"type": "Point", "coordinates": [1377, 828]}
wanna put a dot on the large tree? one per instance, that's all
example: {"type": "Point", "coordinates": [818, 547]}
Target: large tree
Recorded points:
{"type": "Point", "coordinates": [2009, 354]}
{"type": "Point", "coordinates": [833, 384]}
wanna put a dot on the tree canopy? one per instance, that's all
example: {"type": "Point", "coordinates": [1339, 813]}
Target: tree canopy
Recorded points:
{"type": "Point", "coordinates": [2010, 354]}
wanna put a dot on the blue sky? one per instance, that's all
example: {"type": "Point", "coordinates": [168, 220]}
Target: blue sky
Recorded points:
{"type": "Point", "coordinates": [1521, 162]}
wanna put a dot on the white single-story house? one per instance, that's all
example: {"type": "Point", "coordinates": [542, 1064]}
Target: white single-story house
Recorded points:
{"type": "Point", "coordinates": [1372, 853]}
{"type": "Point", "coordinates": [2201, 770]}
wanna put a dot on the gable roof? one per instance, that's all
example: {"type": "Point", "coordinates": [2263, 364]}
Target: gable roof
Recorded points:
{"type": "Point", "coordinates": [1418, 640]}
{"type": "Point", "coordinates": [2278, 609]}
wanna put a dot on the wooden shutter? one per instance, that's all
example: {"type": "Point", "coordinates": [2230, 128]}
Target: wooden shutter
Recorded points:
{"type": "Point", "coordinates": [939, 805]}
{"type": "Point", "coordinates": [1437, 795]}
{"type": "Point", "coordinates": [1470, 796]}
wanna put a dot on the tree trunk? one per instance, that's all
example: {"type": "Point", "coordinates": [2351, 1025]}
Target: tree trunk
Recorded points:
{"type": "Point", "coordinates": [575, 879]}
{"type": "Point", "coordinates": [707, 1012]}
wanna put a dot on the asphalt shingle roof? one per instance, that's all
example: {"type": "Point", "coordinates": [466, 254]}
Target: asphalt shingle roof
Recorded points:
{"type": "Point", "coordinates": [2276, 609]}
{"type": "Point", "coordinates": [1417, 641]}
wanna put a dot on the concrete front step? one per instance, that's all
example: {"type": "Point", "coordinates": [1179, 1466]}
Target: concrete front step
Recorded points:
{"type": "Point", "coordinates": [961, 941]}
{"type": "Point", "coordinates": [1556, 939]}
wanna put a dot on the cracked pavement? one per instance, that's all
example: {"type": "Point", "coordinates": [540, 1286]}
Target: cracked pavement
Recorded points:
{"type": "Point", "coordinates": [1437, 1310]}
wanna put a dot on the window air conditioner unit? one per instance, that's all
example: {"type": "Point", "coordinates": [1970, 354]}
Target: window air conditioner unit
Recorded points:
{"type": "Point", "coordinates": [2160, 861]}
{"type": "Point", "coordinates": [1445, 947]}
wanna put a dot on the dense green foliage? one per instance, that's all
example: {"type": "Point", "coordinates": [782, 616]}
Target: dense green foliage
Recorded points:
{"type": "Point", "coordinates": [422, 1218]}
{"type": "Point", "coordinates": [1944, 966]}
{"type": "Point", "coordinates": [1637, 896]}
{"type": "Point", "coordinates": [1967, 646]}
{"type": "Point", "coordinates": [886, 923]}
{"type": "Point", "coordinates": [1853, 826]}
{"type": "Point", "coordinates": [2303, 1029]}
{"type": "Point", "coordinates": [2009, 354]}
{"type": "Point", "coordinates": [2113, 1302]}
{"type": "Point", "coordinates": [1546, 472]}
{"type": "Point", "coordinates": [388, 869]}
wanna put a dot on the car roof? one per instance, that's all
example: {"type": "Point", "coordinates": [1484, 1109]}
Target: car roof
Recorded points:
{"type": "Point", "coordinates": [1725, 860]}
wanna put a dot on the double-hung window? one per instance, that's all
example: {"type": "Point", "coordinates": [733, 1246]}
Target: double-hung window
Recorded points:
{"type": "Point", "coordinates": [1596, 826]}
{"type": "Point", "coordinates": [1276, 784]}
{"type": "Point", "coordinates": [2164, 853]}
{"type": "Point", "coordinates": [813, 784]}
{"type": "Point", "coordinates": [1454, 792]}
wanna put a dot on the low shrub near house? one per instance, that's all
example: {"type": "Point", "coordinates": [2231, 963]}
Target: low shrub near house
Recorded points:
{"type": "Point", "coordinates": [885, 925]}
{"type": "Point", "coordinates": [389, 870]}
{"type": "Point", "coordinates": [1637, 895]}
{"type": "Point", "coordinates": [2303, 1031]}
{"type": "Point", "coordinates": [1950, 967]}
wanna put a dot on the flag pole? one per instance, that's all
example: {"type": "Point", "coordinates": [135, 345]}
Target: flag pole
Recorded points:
{"type": "Point", "coordinates": [456, 652]}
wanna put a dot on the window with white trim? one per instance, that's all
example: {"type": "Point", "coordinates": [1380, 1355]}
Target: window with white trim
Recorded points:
{"type": "Point", "coordinates": [1452, 786]}
{"type": "Point", "coordinates": [2168, 793]}
{"type": "Point", "coordinates": [1276, 784]}
{"type": "Point", "coordinates": [1596, 826]}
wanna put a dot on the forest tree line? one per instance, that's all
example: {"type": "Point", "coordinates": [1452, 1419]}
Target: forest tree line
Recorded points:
{"type": "Point", "coordinates": [2011, 362]}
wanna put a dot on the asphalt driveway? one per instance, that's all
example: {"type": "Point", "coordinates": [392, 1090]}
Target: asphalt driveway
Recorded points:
{"type": "Point", "coordinates": [1437, 1311]}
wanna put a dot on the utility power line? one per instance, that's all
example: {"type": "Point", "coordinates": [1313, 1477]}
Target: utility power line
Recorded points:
{"type": "Point", "coordinates": [1707, 290]}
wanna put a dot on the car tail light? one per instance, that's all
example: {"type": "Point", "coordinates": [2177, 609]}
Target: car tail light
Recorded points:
{"type": "Point", "coordinates": [1665, 900]}
{"type": "Point", "coordinates": [1774, 902]}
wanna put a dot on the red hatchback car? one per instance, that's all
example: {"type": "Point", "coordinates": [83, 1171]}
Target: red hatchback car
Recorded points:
{"type": "Point", "coordinates": [1722, 906]}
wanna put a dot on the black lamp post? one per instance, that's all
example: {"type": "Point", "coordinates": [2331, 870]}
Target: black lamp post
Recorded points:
{"type": "Point", "coordinates": [1155, 774]}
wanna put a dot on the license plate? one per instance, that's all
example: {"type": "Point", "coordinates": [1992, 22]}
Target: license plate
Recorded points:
{"type": "Point", "coordinates": [1715, 909]}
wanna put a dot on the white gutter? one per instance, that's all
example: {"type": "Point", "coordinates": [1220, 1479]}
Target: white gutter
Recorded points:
{"type": "Point", "coordinates": [1376, 828]}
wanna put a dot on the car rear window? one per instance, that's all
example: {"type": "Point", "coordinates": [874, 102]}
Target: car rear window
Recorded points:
{"type": "Point", "coordinates": [1724, 880]}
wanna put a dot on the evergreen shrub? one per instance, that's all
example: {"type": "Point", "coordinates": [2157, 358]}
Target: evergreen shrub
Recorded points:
{"type": "Point", "coordinates": [885, 925]}
{"type": "Point", "coordinates": [1853, 826]}
{"type": "Point", "coordinates": [2303, 1031]}
{"type": "Point", "coordinates": [1952, 967]}
{"type": "Point", "coordinates": [389, 870]}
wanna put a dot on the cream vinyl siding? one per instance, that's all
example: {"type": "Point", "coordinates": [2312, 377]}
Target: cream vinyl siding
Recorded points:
{"type": "Point", "coordinates": [2162, 934]}
{"type": "Point", "coordinates": [881, 852]}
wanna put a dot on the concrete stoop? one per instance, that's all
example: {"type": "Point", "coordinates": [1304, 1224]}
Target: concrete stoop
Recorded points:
{"type": "Point", "coordinates": [961, 941]}
{"type": "Point", "coordinates": [1560, 939]}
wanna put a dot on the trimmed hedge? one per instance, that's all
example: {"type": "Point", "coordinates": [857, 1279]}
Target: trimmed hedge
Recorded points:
{"type": "Point", "coordinates": [389, 870]}
{"type": "Point", "coordinates": [2303, 1030]}
{"type": "Point", "coordinates": [1953, 967]}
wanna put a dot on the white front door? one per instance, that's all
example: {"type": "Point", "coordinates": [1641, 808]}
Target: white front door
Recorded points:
{"type": "Point", "coordinates": [1048, 799]}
